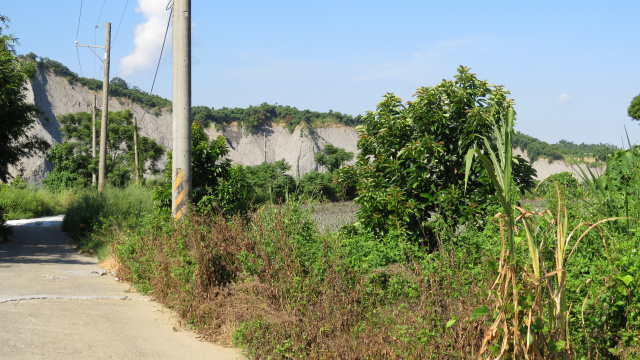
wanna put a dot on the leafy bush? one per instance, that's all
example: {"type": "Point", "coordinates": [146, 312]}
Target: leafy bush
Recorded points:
{"type": "Point", "coordinates": [270, 181]}
{"type": "Point", "coordinates": [411, 163]}
{"type": "Point", "coordinates": [216, 185]}
{"type": "Point", "coordinates": [318, 186]}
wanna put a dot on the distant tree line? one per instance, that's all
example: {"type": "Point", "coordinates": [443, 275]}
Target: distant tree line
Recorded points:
{"type": "Point", "coordinates": [251, 119]}
{"type": "Point", "coordinates": [564, 149]}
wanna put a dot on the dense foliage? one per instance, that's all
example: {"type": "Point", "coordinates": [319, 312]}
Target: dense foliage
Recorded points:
{"type": "Point", "coordinates": [563, 150]}
{"type": "Point", "coordinates": [253, 118]}
{"type": "Point", "coordinates": [634, 108]}
{"type": "Point", "coordinates": [333, 157]}
{"type": "Point", "coordinates": [17, 116]}
{"type": "Point", "coordinates": [270, 181]}
{"type": "Point", "coordinates": [74, 161]}
{"type": "Point", "coordinates": [411, 164]}
{"type": "Point", "coordinates": [217, 185]}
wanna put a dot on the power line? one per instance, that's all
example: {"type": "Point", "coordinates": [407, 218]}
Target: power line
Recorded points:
{"type": "Point", "coordinates": [162, 50]}
{"type": "Point", "coordinates": [78, 32]}
{"type": "Point", "coordinates": [170, 8]}
{"type": "Point", "coordinates": [100, 16]}
{"type": "Point", "coordinates": [79, 16]}
{"type": "Point", "coordinates": [79, 63]}
{"type": "Point", "coordinates": [122, 17]}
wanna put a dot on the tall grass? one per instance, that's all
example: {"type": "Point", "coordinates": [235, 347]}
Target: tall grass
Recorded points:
{"type": "Point", "coordinates": [94, 220]}
{"type": "Point", "coordinates": [25, 202]}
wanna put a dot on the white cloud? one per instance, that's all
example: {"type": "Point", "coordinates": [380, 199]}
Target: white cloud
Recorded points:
{"type": "Point", "coordinates": [148, 37]}
{"type": "Point", "coordinates": [563, 98]}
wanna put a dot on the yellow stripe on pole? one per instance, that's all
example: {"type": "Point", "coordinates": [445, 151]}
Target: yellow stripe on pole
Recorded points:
{"type": "Point", "coordinates": [178, 215]}
{"type": "Point", "coordinates": [178, 179]}
{"type": "Point", "coordinates": [181, 197]}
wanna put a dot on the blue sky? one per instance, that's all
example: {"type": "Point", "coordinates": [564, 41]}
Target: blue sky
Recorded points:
{"type": "Point", "coordinates": [571, 66]}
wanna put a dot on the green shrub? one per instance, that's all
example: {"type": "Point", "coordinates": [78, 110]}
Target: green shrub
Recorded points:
{"type": "Point", "coordinates": [411, 163]}
{"type": "Point", "coordinates": [95, 220]}
{"type": "Point", "coordinates": [270, 182]}
{"type": "Point", "coordinates": [318, 186]}
{"type": "Point", "coordinates": [216, 185]}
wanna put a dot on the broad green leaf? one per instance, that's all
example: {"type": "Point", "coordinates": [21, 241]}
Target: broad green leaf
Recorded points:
{"type": "Point", "coordinates": [626, 279]}
{"type": "Point", "coordinates": [450, 323]}
{"type": "Point", "coordinates": [479, 312]}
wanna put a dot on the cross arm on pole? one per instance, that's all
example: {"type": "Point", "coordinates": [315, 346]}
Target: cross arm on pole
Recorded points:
{"type": "Point", "coordinates": [91, 47]}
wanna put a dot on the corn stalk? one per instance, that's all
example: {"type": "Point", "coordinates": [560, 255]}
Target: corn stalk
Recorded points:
{"type": "Point", "coordinates": [521, 305]}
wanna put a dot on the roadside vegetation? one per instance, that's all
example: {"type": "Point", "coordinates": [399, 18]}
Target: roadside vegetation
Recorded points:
{"type": "Point", "coordinates": [428, 247]}
{"type": "Point", "coordinates": [20, 201]}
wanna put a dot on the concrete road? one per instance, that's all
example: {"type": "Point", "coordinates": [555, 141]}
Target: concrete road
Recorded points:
{"type": "Point", "coordinates": [58, 304]}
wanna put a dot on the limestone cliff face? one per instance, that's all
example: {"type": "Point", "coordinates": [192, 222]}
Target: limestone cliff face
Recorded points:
{"type": "Point", "coordinates": [544, 167]}
{"type": "Point", "coordinates": [54, 96]}
{"type": "Point", "coordinates": [298, 148]}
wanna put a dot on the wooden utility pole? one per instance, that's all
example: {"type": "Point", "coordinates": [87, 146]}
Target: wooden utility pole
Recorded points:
{"type": "Point", "coordinates": [105, 105]}
{"type": "Point", "coordinates": [181, 154]}
{"type": "Point", "coordinates": [93, 136]}
{"type": "Point", "coordinates": [135, 148]}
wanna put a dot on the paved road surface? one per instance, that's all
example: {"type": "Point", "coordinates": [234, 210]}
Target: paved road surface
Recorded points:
{"type": "Point", "coordinates": [58, 304]}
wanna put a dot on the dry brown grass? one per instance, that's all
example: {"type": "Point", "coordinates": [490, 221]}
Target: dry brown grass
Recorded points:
{"type": "Point", "coordinates": [256, 281]}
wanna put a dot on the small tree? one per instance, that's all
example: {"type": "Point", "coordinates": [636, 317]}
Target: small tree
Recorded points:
{"type": "Point", "coordinates": [634, 108]}
{"type": "Point", "coordinates": [271, 181]}
{"type": "Point", "coordinates": [333, 157]}
{"type": "Point", "coordinates": [17, 117]}
{"type": "Point", "coordinates": [411, 164]}
{"type": "Point", "coordinates": [216, 184]}
{"type": "Point", "coordinates": [73, 159]}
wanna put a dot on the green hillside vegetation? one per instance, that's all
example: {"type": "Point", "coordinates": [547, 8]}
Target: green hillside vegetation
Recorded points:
{"type": "Point", "coordinates": [563, 150]}
{"type": "Point", "coordinates": [253, 118]}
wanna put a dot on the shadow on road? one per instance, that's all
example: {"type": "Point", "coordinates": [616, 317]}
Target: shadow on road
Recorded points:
{"type": "Point", "coordinates": [27, 245]}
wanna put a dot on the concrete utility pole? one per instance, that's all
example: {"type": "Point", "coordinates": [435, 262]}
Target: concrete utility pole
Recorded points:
{"type": "Point", "coordinates": [181, 158]}
{"type": "Point", "coordinates": [102, 170]}
{"type": "Point", "coordinates": [135, 148]}
{"type": "Point", "coordinates": [105, 105]}
{"type": "Point", "coordinates": [93, 136]}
